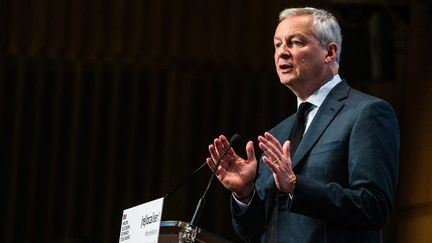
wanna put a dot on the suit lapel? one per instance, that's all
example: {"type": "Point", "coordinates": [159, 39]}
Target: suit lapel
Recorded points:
{"type": "Point", "coordinates": [326, 113]}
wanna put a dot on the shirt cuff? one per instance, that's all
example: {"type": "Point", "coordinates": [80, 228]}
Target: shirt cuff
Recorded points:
{"type": "Point", "coordinates": [243, 206]}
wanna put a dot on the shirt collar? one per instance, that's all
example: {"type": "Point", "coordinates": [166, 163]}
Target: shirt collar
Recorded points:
{"type": "Point", "coordinates": [318, 97]}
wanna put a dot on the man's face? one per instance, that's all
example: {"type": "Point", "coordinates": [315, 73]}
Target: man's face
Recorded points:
{"type": "Point", "coordinates": [299, 58]}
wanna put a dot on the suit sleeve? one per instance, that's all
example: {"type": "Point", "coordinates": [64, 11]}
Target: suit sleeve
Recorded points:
{"type": "Point", "coordinates": [372, 158]}
{"type": "Point", "coordinates": [249, 224]}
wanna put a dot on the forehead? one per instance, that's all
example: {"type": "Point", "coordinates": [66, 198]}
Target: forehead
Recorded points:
{"type": "Point", "coordinates": [301, 25]}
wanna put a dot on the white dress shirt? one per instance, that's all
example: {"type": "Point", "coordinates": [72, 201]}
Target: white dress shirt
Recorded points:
{"type": "Point", "coordinates": [318, 97]}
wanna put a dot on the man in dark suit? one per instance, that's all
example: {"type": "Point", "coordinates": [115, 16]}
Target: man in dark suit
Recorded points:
{"type": "Point", "coordinates": [336, 181]}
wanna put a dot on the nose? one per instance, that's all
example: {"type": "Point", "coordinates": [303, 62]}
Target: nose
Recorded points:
{"type": "Point", "coordinates": [285, 55]}
{"type": "Point", "coordinates": [283, 52]}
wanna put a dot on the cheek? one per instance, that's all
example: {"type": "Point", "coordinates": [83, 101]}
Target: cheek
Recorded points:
{"type": "Point", "coordinates": [300, 57]}
{"type": "Point", "coordinates": [305, 59]}
{"type": "Point", "coordinates": [303, 62]}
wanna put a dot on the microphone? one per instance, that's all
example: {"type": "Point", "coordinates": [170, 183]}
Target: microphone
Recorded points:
{"type": "Point", "coordinates": [233, 141]}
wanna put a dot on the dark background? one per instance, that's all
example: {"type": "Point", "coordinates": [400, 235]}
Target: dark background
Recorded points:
{"type": "Point", "coordinates": [108, 104]}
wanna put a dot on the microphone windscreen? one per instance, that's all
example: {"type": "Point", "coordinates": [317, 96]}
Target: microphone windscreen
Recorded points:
{"type": "Point", "coordinates": [235, 139]}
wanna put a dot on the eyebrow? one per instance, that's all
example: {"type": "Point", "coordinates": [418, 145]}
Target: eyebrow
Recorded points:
{"type": "Point", "coordinates": [290, 36]}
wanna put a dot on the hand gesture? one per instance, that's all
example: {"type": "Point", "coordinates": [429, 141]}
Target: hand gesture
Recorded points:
{"type": "Point", "coordinates": [235, 173]}
{"type": "Point", "coordinates": [278, 159]}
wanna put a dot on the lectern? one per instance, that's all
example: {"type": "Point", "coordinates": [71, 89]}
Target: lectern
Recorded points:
{"type": "Point", "coordinates": [178, 231]}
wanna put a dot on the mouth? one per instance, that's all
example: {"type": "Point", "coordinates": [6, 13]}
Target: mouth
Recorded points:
{"type": "Point", "coordinates": [285, 68]}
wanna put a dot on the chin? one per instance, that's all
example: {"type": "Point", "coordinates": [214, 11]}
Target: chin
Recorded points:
{"type": "Point", "coordinates": [290, 83]}
{"type": "Point", "coordinates": [286, 80]}
{"type": "Point", "coordinates": [286, 83]}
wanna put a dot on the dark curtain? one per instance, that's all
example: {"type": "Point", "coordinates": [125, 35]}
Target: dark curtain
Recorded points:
{"type": "Point", "coordinates": [105, 105]}
{"type": "Point", "coordinates": [89, 139]}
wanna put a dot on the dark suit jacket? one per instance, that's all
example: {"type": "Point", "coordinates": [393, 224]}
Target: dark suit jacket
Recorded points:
{"type": "Point", "coordinates": [346, 168]}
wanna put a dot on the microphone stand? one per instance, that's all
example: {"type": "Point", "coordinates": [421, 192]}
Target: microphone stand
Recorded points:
{"type": "Point", "coordinates": [184, 181]}
{"type": "Point", "coordinates": [203, 199]}
{"type": "Point", "coordinates": [188, 234]}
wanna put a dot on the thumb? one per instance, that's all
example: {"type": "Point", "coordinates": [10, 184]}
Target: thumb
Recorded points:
{"type": "Point", "coordinates": [250, 151]}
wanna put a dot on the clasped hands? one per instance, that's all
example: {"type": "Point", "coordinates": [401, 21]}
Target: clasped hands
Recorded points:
{"type": "Point", "coordinates": [238, 174]}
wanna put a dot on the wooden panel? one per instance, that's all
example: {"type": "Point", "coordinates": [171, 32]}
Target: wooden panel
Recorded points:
{"type": "Point", "coordinates": [415, 225]}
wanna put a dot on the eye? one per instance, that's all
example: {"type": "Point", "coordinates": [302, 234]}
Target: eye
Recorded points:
{"type": "Point", "coordinates": [277, 44]}
{"type": "Point", "coordinates": [296, 42]}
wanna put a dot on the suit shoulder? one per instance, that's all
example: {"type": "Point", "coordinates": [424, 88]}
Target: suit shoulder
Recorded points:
{"type": "Point", "coordinates": [361, 106]}
{"type": "Point", "coordinates": [360, 99]}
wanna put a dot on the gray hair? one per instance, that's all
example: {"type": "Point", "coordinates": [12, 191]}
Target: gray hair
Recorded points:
{"type": "Point", "coordinates": [325, 26]}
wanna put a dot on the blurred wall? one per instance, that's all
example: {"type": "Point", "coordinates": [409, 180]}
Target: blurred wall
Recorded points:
{"type": "Point", "coordinates": [105, 105]}
{"type": "Point", "coordinates": [414, 218]}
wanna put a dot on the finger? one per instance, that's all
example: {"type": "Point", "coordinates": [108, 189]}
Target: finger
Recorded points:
{"type": "Point", "coordinates": [213, 152]}
{"type": "Point", "coordinates": [220, 172]}
{"type": "Point", "coordinates": [225, 144]}
{"type": "Point", "coordinates": [210, 163]}
{"type": "Point", "coordinates": [275, 147]}
{"type": "Point", "coordinates": [273, 140]}
{"type": "Point", "coordinates": [225, 148]}
{"type": "Point", "coordinates": [231, 152]}
{"type": "Point", "coordinates": [272, 166]}
{"type": "Point", "coordinates": [218, 146]}
{"type": "Point", "coordinates": [224, 141]}
{"type": "Point", "coordinates": [221, 144]}
{"type": "Point", "coordinates": [212, 166]}
{"type": "Point", "coordinates": [269, 151]}
{"type": "Point", "coordinates": [216, 155]}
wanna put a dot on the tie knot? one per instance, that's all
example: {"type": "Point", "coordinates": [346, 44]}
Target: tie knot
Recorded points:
{"type": "Point", "coordinates": [303, 108]}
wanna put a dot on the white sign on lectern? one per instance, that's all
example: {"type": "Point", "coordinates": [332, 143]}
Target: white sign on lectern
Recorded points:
{"type": "Point", "coordinates": [140, 224]}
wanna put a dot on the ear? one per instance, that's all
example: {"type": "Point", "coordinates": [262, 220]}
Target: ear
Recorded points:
{"type": "Point", "coordinates": [331, 53]}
